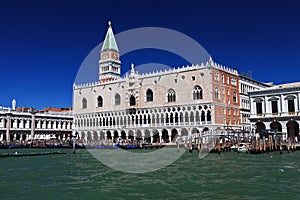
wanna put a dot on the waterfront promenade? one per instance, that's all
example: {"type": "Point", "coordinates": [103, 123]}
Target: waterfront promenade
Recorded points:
{"type": "Point", "coordinates": [19, 125]}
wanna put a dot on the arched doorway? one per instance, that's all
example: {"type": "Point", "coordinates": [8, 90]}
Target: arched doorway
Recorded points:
{"type": "Point", "coordinates": [95, 136]}
{"type": "Point", "coordinates": [138, 135]}
{"type": "Point", "coordinates": [89, 137]}
{"type": "Point", "coordinates": [102, 135]}
{"type": "Point", "coordinates": [260, 126]}
{"type": "Point", "coordinates": [147, 136]}
{"type": "Point", "coordinates": [165, 136]}
{"type": "Point", "coordinates": [123, 135]}
{"type": "Point", "coordinates": [116, 135]}
{"type": "Point", "coordinates": [195, 130]}
{"type": "Point", "coordinates": [18, 136]}
{"type": "Point", "coordinates": [184, 132]}
{"type": "Point", "coordinates": [24, 136]}
{"type": "Point", "coordinates": [174, 135]}
{"type": "Point", "coordinates": [292, 129]}
{"type": "Point", "coordinates": [130, 135]}
{"type": "Point", "coordinates": [108, 135]}
{"type": "Point", "coordinates": [205, 129]}
{"type": "Point", "coordinates": [276, 126]}
{"type": "Point", "coordinates": [82, 135]}
{"type": "Point", "coordinates": [156, 136]}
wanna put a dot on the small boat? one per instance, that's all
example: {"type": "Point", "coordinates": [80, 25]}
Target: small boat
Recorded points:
{"type": "Point", "coordinates": [16, 154]}
{"type": "Point", "coordinates": [103, 146]}
{"type": "Point", "coordinates": [234, 148]}
{"type": "Point", "coordinates": [243, 147]}
{"type": "Point", "coordinates": [128, 146]}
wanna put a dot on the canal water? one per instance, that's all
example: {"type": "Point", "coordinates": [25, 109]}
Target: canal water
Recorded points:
{"type": "Point", "coordinates": [81, 176]}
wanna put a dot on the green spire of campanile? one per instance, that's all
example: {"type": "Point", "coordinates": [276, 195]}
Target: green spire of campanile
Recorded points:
{"type": "Point", "coordinates": [109, 63]}
{"type": "Point", "coordinates": [110, 41]}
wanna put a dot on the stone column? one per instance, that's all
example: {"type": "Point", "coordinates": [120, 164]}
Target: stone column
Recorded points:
{"type": "Point", "coordinates": [266, 109]}
{"type": "Point", "coordinates": [32, 124]}
{"type": "Point", "coordinates": [282, 109]}
{"type": "Point", "coordinates": [85, 136]}
{"type": "Point", "coordinates": [8, 127]}
{"type": "Point", "coordinates": [160, 137]}
{"type": "Point", "coordinates": [298, 102]}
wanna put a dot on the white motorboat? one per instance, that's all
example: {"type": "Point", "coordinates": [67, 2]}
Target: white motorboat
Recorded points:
{"type": "Point", "coordinates": [243, 147]}
{"type": "Point", "coordinates": [234, 148]}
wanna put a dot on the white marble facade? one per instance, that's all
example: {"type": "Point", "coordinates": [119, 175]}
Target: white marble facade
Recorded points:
{"type": "Point", "coordinates": [156, 106]}
{"type": "Point", "coordinates": [246, 85]}
{"type": "Point", "coordinates": [19, 125]}
{"type": "Point", "coordinates": [277, 108]}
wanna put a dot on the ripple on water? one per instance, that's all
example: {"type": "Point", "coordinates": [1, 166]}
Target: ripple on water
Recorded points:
{"type": "Point", "coordinates": [80, 176]}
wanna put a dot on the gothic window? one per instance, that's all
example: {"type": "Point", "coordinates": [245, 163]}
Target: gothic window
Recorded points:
{"type": "Point", "coordinates": [197, 92]}
{"type": "Point", "coordinates": [171, 96]}
{"type": "Point", "coordinates": [223, 81]}
{"type": "Point", "coordinates": [208, 116]}
{"type": "Point", "coordinates": [117, 99]}
{"type": "Point", "coordinates": [202, 116]}
{"type": "Point", "coordinates": [234, 98]}
{"type": "Point", "coordinates": [149, 95]}
{"type": "Point", "coordinates": [99, 101]}
{"type": "Point", "coordinates": [217, 94]}
{"type": "Point", "coordinates": [84, 103]}
{"type": "Point", "coordinates": [132, 100]}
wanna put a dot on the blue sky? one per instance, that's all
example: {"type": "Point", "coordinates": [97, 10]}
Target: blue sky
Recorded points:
{"type": "Point", "coordinates": [43, 43]}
